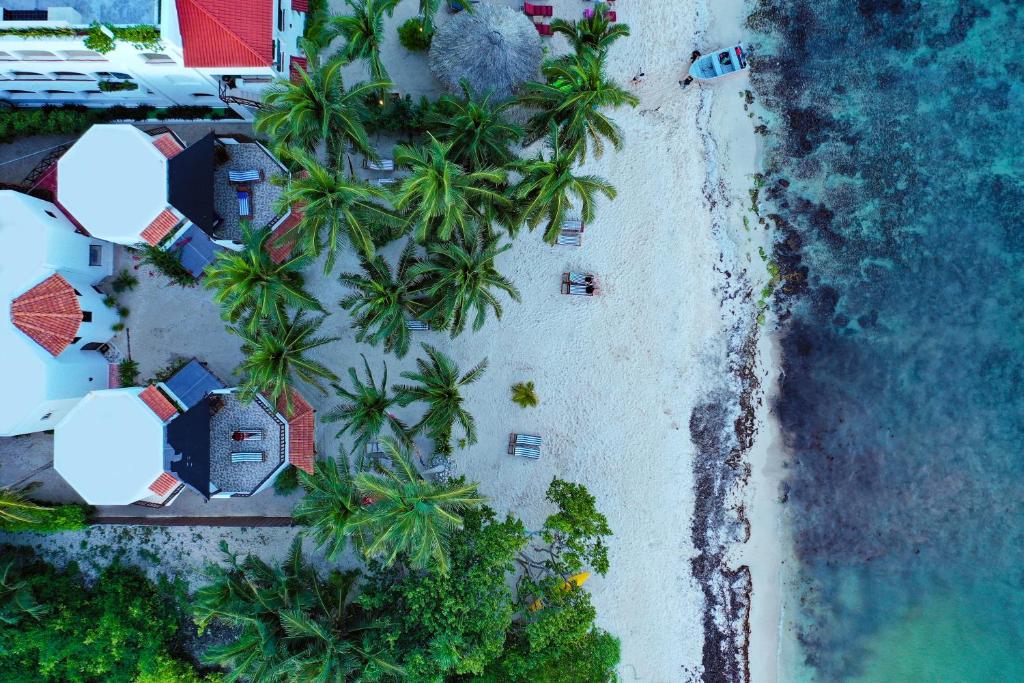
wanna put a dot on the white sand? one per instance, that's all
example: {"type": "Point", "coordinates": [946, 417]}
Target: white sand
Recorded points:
{"type": "Point", "coordinates": [619, 374]}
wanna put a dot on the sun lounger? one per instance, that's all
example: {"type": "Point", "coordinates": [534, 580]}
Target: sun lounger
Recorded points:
{"type": "Point", "coordinates": [527, 440]}
{"type": "Point", "coordinates": [532, 10]}
{"type": "Point", "coordinates": [417, 326]}
{"type": "Point", "coordinates": [253, 176]}
{"type": "Point", "coordinates": [248, 457]}
{"type": "Point", "coordinates": [244, 204]}
{"type": "Point", "coordinates": [578, 279]}
{"type": "Point", "coordinates": [573, 224]}
{"type": "Point", "coordinates": [570, 238]}
{"type": "Point", "coordinates": [544, 29]}
{"type": "Point", "coordinates": [382, 165]}
{"type": "Point", "coordinates": [248, 434]}
{"type": "Point", "coordinates": [579, 290]}
{"type": "Point", "coordinates": [526, 452]}
{"type": "Point", "coordinates": [384, 181]}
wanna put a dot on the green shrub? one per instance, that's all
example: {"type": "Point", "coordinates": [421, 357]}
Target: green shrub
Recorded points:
{"type": "Point", "coordinates": [51, 519]}
{"type": "Point", "coordinates": [110, 301]}
{"type": "Point", "coordinates": [128, 372]}
{"type": "Point", "coordinates": [167, 263]}
{"type": "Point", "coordinates": [397, 115]}
{"type": "Point", "coordinates": [141, 36]}
{"type": "Point", "coordinates": [524, 395]}
{"type": "Point", "coordinates": [190, 111]}
{"type": "Point", "coordinates": [115, 86]}
{"type": "Point", "coordinates": [39, 32]}
{"type": "Point", "coordinates": [414, 35]}
{"type": "Point", "coordinates": [118, 326]}
{"type": "Point", "coordinates": [124, 281]}
{"type": "Point", "coordinates": [287, 482]}
{"type": "Point", "coordinates": [98, 40]}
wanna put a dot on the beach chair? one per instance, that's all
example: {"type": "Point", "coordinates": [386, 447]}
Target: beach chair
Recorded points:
{"type": "Point", "coordinates": [237, 458]}
{"type": "Point", "coordinates": [578, 279]}
{"type": "Point", "coordinates": [544, 29]}
{"type": "Point", "coordinates": [570, 238]}
{"type": "Point", "coordinates": [248, 434]}
{"type": "Point", "coordinates": [574, 225]}
{"type": "Point", "coordinates": [532, 10]}
{"type": "Point", "coordinates": [526, 452]}
{"type": "Point", "coordinates": [251, 176]}
{"type": "Point", "coordinates": [384, 182]}
{"type": "Point", "coordinates": [417, 326]}
{"type": "Point", "coordinates": [244, 203]}
{"type": "Point", "coordinates": [382, 165]}
{"type": "Point", "coordinates": [530, 442]}
{"type": "Point", "coordinates": [578, 290]}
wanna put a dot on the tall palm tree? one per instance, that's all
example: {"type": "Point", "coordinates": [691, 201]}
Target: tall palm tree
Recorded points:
{"type": "Point", "coordinates": [407, 515]}
{"type": "Point", "coordinates": [366, 410]}
{"type": "Point", "coordinates": [382, 300]}
{"type": "Point", "coordinates": [276, 356]}
{"type": "Point", "coordinates": [335, 208]}
{"type": "Point", "coordinates": [549, 186]}
{"type": "Point", "coordinates": [477, 130]}
{"type": "Point", "coordinates": [317, 108]}
{"type": "Point", "coordinates": [15, 508]}
{"type": "Point", "coordinates": [440, 196]}
{"type": "Point", "coordinates": [363, 31]}
{"type": "Point", "coordinates": [251, 288]}
{"type": "Point", "coordinates": [596, 32]}
{"type": "Point", "coordinates": [438, 384]}
{"type": "Point", "coordinates": [573, 97]}
{"type": "Point", "coordinates": [458, 279]}
{"type": "Point", "coordinates": [427, 10]}
{"type": "Point", "coordinates": [329, 503]}
{"type": "Point", "coordinates": [293, 624]}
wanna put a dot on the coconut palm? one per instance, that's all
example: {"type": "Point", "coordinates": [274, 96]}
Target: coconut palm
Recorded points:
{"type": "Point", "coordinates": [382, 300]}
{"type": "Point", "coordinates": [328, 505]}
{"type": "Point", "coordinates": [15, 508]}
{"type": "Point", "coordinates": [427, 10]}
{"type": "Point", "coordinates": [276, 355]}
{"type": "Point", "coordinates": [251, 287]}
{"type": "Point", "coordinates": [317, 108]}
{"type": "Point", "coordinates": [438, 384]}
{"type": "Point", "coordinates": [596, 32]}
{"type": "Point", "coordinates": [573, 98]}
{"type": "Point", "coordinates": [366, 411]}
{"type": "Point", "coordinates": [440, 196]}
{"type": "Point", "coordinates": [479, 134]}
{"type": "Point", "coordinates": [335, 208]}
{"type": "Point", "coordinates": [458, 279]}
{"type": "Point", "coordinates": [548, 188]}
{"type": "Point", "coordinates": [363, 31]}
{"type": "Point", "coordinates": [293, 625]}
{"type": "Point", "coordinates": [408, 516]}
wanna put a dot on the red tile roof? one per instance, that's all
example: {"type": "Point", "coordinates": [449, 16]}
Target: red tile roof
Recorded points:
{"type": "Point", "coordinates": [227, 32]}
{"type": "Point", "coordinates": [167, 145]}
{"type": "Point", "coordinates": [160, 227]}
{"type": "Point", "coordinates": [164, 484]}
{"type": "Point", "coordinates": [300, 5]}
{"type": "Point", "coordinates": [49, 313]}
{"type": "Point", "coordinates": [301, 431]}
{"type": "Point", "coordinates": [158, 403]}
{"type": "Point", "coordinates": [295, 63]}
{"type": "Point", "coordinates": [281, 243]}
{"type": "Point", "coordinates": [113, 376]}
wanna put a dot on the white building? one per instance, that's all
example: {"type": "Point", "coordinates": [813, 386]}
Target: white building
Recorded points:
{"type": "Point", "coordinates": [212, 53]}
{"type": "Point", "coordinates": [56, 321]}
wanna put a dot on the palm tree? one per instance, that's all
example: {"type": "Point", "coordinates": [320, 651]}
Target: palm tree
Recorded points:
{"type": "Point", "coordinates": [276, 355]}
{"type": "Point", "coordinates": [427, 10]}
{"type": "Point", "coordinates": [479, 134]}
{"type": "Point", "coordinates": [573, 97]}
{"type": "Point", "coordinates": [328, 505]}
{"type": "Point", "coordinates": [407, 515]}
{"type": "Point", "coordinates": [367, 409]}
{"type": "Point", "coordinates": [317, 108]}
{"type": "Point", "coordinates": [595, 32]}
{"type": "Point", "coordinates": [438, 384]}
{"type": "Point", "coordinates": [458, 279]}
{"type": "Point", "coordinates": [293, 624]}
{"type": "Point", "coordinates": [363, 31]}
{"type": "Point", "coordinates": [251, 288]}
{"type": "Point", "coordinates": [335, 208]}
{"type": "Point", "coordinates": [16, 598]}
{"type": "Point", "coordinates": [440, 195]}
{"type": "Point", "coordinates": [548, 187]}
{"type": "Point", "coordinates": [15, 508]}
{"type": "Point", "coordinates": [381, 301]}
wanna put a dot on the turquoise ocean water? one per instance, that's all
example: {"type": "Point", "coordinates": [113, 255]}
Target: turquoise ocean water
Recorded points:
{"type": "Point", "coordinates": [896, 184]}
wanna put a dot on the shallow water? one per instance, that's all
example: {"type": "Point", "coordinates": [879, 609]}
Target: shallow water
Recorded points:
{"type": "Point", "coordinates": [899, 146]}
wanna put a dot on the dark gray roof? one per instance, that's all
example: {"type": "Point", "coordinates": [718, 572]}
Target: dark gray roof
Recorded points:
{"type": "Point", "coordinates": [190, 183]}
{"type": "Point", "coordinates": [189, 436]}
{"type": "Point", "coordinates": [192, 383]}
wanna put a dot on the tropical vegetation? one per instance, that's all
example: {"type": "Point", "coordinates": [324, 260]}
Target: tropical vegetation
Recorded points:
{"type": "Point", "coordinates": [366, 410]}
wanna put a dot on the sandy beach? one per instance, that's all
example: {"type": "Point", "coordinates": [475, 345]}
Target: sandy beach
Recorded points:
{"type": "Point", "coordinates": [623, 377]}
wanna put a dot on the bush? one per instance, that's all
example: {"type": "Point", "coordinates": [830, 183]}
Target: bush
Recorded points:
{"type": "Point", "coordinates": [128, 372]}
{"type": "Point", "coordinates": [287, 482]}
{"type": "Point", "coordinates": [115, 86]}
{"type": "Point", "coordinates": [189, 111]}
{"type": "Point", "coordinates": [124, 281]}
{"type": "Point", "coordinates": [98, 40]}
{"type": "Point", "coordinates": [168, 264]}
{"type": "Point", "coordinates": [48, 520]}
{"type": "Point", "coordinates": [123, 311]}
{"type": "Point", "coordinates": [397, 115]}
{"type": "Point", "coordinates": [523, 395]}
{"type": "Point", "coordinates": [414, 35]}
{"type": "Point", "coordinates": [110, 301]}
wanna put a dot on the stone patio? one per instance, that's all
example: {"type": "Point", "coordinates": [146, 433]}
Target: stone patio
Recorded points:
{"type": "Point", "coordinates": [235, 414]}
{"type": "Point", "coordinates": [246, 156]}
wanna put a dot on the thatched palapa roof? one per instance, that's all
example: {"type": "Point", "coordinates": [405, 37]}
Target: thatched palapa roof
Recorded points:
{"type": "Point", "coordinates": [494, 49]}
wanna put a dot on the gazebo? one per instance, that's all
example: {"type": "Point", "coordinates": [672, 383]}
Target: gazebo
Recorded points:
{"type": "Point", "coordinates": [494, 49]}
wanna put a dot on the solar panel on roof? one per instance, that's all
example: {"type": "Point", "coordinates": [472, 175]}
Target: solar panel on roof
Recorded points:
{"type": "Point", "coordinates": [192, 383]}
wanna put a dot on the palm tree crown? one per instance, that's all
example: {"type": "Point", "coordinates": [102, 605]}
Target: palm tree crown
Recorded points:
{"type": "Point", "coordinates": [438, 194]}
{"type": "Point", "coordinates": [363, 31]}
{"type": "Point", "coordinates": [381, 301]}
{"type": "Point", "coordinates": [479, 134]}
{"type": "Point", "coordinates": [276, 356]}
{"type": "Point", "coordinates": [407, 515]}
{"type": "Point", "coordinates": [548, 188]}
{"type": "Point", "coordinates": [457, 279]}
{"type": "Point", "coordinates": [15, 508]}
{"type": "Point", "coordinates": [438, 384]}
{"type": "Point", "coordinates": [335, 208]}
{"type": "Point", "coordinates": [366, 410]}
{"type": "Point", "coordinates": [251, 287]}
{"type": "Point", "coordinates": [596, 32]}
{"type": "Point", "coordinates": [330, 500]}
{"type": "Point", "coordinates": [572, 98]}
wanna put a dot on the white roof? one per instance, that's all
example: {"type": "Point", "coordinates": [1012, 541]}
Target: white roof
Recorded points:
{"type": "Point", "coordinates": [114, 182]}
{"type": "Point", "coordinates": [110, 447]}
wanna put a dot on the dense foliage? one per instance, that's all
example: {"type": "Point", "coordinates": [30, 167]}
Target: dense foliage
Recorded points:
{"type": "Point", "coordinates": [166, 262]}
{"type": "Point", "coordinates": [415, 35]}
{"type": "Point", "coordinates": [19, 513]}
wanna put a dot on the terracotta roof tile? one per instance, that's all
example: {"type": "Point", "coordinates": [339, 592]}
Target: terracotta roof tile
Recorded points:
{"type": "Point", "coordinates": [295, 63]}
{"type": "Point", "coordinates": [280, 244]}
{"type": "Point", "coordinates": [167, 145]}
{"type": "Point", "coordinates": [158, 403]}
{"type": "Point", "coordinates": [301, 431]}
{"type": "Point", "coordinates": [164, 484]}
{"type": "Point", "coordinates": [49, 313]}
{"type": "Point", "coordinates": [217, 33]}
{"type": "Point", "coordinates": [113, 376]}
{"type": "Point", "coordinates": [300, 5]}
{"type": "Point", "coordinates": [160, 227]}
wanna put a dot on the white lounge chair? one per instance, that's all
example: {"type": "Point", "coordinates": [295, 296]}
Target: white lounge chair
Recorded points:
{"type": "Point", "coordinates": [417, 326]}
{"type": "Point", "coordinates": [253, 176]}
{"type": "Point", "coordinates": [579, 290]}
{"type": "Point", "coordinates": [251, 433]}
{"type": "Point", "coordinates": [570, 238]}
{"type": "Point", "coordinates": [244, 205]}
{"type": "Point", "coordinates": [526, 452]}
{"type": "Point", "coordinates": [528, 440]}
{"type": "Point", "coordinates": [574, 224]}
{"type": "Point", "coordinates": [248, 457]}
{"type": "Point", "coordinates": [382, 165]}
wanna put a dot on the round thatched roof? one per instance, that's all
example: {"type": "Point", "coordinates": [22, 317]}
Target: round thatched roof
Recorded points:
{"type": "Point", "coordinates": [494, 49]}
